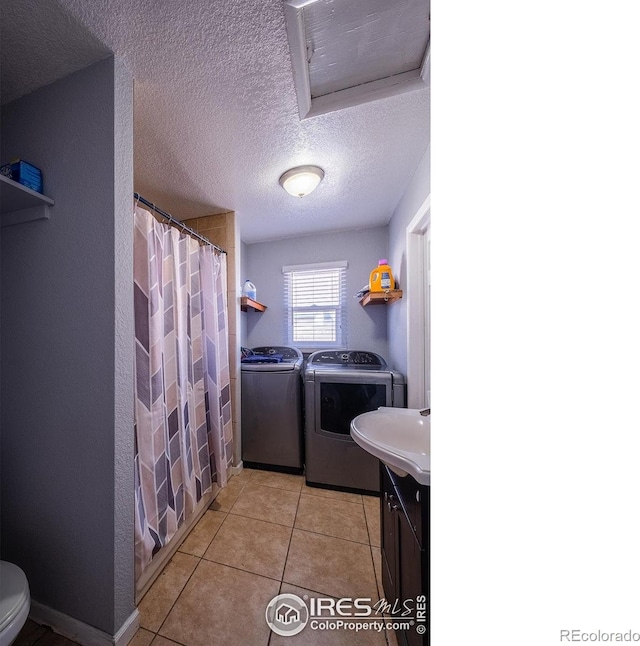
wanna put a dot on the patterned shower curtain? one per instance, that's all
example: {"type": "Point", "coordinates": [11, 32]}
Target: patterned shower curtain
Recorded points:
{"type": "Point", "coordinates": [183, 399]}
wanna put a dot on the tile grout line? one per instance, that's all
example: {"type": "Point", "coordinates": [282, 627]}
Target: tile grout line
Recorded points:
{"type": "Point", "coordinates": [239, 569]}
{"type": "Point", "coordinates": [313, 490]}
{"type": "Point", "coordinates": [364, 513]}
{"type": "Point", "coordinates": [226, 514]}
{"type": "Point", "coordinates": [200, 559]}
{"type": "Point", "coordinates": [235, 513]}
{"type": "Point", "coordinates": [286, 558]}
{"type": "Point", "coordinates": [243, 485]}
{"type": "Point", "coordinates": [276, 488]}
{"type": "Point", "coordinates": [330, 499]}
{"type": "Point", "coordinates": [173, 641]}
{"type": "Point", "coordinates": [340, 538]}
{"type": "Point", "coordinates": [366, 522]}
{"type": "Point", "coordinates": [179, 593]}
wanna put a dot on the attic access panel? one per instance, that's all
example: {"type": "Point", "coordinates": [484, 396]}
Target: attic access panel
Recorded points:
{"type": "Point", "coordinates": [346, 52]}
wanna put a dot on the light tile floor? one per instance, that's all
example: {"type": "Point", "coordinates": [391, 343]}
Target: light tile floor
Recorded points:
{"type": "Point", "coordinates": [266, 533]}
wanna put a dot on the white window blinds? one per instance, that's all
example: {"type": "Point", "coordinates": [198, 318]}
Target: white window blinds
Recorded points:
{"type": "Point", "coordinates": [315, 305]}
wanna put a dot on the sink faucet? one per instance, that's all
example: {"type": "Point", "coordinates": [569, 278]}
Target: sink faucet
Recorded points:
{"type": "Point", "coordinates": [425, 412]}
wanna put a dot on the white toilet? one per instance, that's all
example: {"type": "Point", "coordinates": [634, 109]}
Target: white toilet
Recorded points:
{"type": "Point", "coordinates": [14, 602]}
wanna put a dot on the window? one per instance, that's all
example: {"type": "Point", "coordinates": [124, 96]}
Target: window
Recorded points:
{"type": "Point", "coordinates": [315, 305]}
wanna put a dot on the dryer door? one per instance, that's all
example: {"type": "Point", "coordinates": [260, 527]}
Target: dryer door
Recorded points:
{"type": "Point", "coordinates": [333, 399]}
{"type": "Point", "coordinates": [339, 398]}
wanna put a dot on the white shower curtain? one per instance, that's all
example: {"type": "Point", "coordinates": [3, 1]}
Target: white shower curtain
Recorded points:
{"type": "Point", "coordinates": [183, 398]}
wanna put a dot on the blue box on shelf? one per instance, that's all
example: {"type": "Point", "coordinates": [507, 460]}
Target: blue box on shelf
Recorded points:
{"type": "Point", "coordinates": [24, 173]}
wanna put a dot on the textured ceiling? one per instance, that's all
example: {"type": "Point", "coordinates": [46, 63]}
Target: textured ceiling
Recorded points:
{"type": "Point", "coordinates": [40, 43]}
{"type": "Point", "coordinates": [216, 119]}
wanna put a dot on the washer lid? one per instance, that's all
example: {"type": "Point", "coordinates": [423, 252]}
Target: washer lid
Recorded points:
{"type": "Point", "coordinates": [14, 592]}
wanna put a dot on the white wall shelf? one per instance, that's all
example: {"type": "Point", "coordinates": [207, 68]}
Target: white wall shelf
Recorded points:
{"type": "Point", "coordinates": [20, 204]}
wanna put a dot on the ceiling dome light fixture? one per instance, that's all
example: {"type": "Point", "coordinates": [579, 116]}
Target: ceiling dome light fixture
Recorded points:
{"type": "Point", "coordinates": [300, 181]}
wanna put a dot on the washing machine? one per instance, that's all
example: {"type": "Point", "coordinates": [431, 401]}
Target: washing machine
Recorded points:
{"type": "Point", "coordinates": [338, 386]}
{"type": "Point", "coordinates": [271, 404]}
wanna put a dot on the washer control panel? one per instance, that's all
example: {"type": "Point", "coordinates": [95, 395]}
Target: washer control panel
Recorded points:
{"type": "Point", "coordinates": [287, 353]}
{"type": "Point", "coordinates": [348, 358]}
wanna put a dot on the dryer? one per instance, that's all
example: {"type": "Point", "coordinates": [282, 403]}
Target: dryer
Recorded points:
{"type": "Point", "coordinates": [338, 386]}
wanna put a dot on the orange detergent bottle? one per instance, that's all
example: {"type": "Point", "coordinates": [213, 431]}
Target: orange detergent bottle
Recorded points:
{"type": "Point", "coordinates": [381, 277]}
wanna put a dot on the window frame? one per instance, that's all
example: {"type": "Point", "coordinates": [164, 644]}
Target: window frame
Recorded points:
{"type": "Point", "coordinates": [340, 309]}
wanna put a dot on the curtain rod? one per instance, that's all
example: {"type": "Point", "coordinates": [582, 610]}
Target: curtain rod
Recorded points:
{"type": "Point", "coordinates": [176, 222]}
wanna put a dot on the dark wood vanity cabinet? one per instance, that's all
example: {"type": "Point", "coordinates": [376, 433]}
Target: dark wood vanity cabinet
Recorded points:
{"type": "Point", "coordinates": [404, 515]}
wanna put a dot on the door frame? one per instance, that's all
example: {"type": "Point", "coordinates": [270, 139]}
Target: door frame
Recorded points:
{"type": "Point", "coordinates": [418, 310]}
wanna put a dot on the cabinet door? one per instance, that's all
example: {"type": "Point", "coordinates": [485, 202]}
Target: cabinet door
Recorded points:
{"type": "Point", "coordinates": [412, 494]}
{"type": "Point", "coordinates": [411, 579]}
{"type": "Point", "coordinates": [389, 520]}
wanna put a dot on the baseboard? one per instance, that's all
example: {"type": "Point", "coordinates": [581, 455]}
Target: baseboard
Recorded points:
{"type": "Point", "coordinates": [128, 629]}
{"type": "Point", "coordinates": [80, 632]}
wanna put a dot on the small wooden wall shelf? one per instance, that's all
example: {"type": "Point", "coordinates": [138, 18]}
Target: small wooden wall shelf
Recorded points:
{"type": "Point", "coordinates": [381, 298]}
{"type": "Point", "coordinates": [21, 204]}
{"type": "Point", "coordinates": [247, 304]}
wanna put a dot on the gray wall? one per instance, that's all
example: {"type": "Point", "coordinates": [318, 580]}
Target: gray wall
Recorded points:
{"type": "Point", "coordinates": [244, 253]}
{"type": "Point", "coordinates": [66, 348]}
{"type": "Point", "coordinates": [418, 189]}
{"type": "Point", "coordinates": [367, 326]}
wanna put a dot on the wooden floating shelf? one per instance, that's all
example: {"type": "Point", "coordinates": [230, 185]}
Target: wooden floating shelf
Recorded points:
{"type": "Point", "coordinates": [21, 204]}
{"type": "Point", "coordinates": [381, 298]}
{"type": "Point", "coordinates": [247, 304]}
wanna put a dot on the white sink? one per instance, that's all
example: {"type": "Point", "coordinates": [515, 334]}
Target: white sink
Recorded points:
{"type": "Point", "coordinates": [399, 437]}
